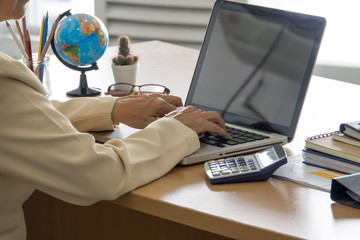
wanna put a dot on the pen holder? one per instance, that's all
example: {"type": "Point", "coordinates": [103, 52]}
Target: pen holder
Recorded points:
{"type": "Point", "coordinates": [43, 70]}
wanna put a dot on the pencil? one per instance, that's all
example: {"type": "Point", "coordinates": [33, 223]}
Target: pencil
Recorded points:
{"type": "Point", "coordinates": [41, 44]}
{"type": "Point", "coordinates": [28, 44]}
{"type": "Point", "coordinates": [51, 35]}
{"type": "Point", "coordinates": [44, 37]}
{"type": "Point", "coordinates": [41, 37]}
{"type": "Point", "coordinates": [46, 22]}
{"type": "Point", "coordinates": [16, 40]}
{"type": "Point", "coordinates": [20, 32]}
{"type": "Point", "coordinates": [24, 31]}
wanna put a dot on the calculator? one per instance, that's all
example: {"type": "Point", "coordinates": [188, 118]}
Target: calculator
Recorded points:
{"type": "Point", "coordinates": [246, 168]}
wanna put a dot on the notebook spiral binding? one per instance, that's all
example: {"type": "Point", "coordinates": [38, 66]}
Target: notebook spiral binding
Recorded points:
{"type": "Point", "coordinates": [322, 135]}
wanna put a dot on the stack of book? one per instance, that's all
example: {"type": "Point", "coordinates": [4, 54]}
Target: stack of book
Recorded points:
{"type": "Point", "coordinates": [339, 150]}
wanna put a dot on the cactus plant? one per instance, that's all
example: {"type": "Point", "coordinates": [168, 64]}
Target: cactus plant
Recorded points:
{"type": "Point", "coordinates": [124, 56]}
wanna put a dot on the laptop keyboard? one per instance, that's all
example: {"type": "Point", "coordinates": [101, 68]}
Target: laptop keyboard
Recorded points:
{"type": "Point", "coordinates": [238, 136]}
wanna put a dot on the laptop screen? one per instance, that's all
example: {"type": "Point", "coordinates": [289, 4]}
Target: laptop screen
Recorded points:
{"type": "Point", "coordinates": [255, 65]}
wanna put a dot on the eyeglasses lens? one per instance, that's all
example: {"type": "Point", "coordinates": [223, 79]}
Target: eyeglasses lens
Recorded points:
{"type": "Point", "coordinates": [125, 89]}
{"type": "Point", "coordinates": [120, 90]}
{"type": "Point", "coordinates": [152, 89]}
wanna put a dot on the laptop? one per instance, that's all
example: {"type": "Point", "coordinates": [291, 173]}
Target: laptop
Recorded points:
{"type": "Point", "coordinates": [254, 68]}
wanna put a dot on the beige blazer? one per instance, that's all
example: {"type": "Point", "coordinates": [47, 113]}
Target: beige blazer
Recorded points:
{"type": "Point", "coordinates": [41, 148]}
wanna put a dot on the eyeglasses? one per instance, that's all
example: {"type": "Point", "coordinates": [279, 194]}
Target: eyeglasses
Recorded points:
{"type": "Point", "coordinates": [124, 89]}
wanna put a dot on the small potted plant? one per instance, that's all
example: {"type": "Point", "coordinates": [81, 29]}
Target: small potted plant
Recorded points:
{"type": "Point", "coordinates": [125, 64]}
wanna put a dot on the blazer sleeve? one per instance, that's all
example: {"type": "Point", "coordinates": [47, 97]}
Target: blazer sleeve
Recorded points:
{"type": "Point", "coordinates": [88, 114]}
{"type": "Point", "coordinates": [41, 147]}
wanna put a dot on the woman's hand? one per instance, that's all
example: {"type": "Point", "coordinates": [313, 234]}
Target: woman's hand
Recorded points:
{"type": "Point", "coordinates": [200, 121]}
{"type": "Point", "coordinates": [138, 111]}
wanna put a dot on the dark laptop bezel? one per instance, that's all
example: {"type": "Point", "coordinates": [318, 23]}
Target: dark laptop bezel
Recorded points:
{"type": "Point", "coordinates": [318, 22]}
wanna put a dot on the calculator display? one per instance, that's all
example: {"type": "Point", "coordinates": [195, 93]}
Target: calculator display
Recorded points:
{"type": "Point", "coordinates": [267, 157]}
{"type": "Point", "coordinates": [246, 168]}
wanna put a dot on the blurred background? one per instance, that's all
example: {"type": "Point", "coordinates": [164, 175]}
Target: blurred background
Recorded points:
{"type": "Point", "coordinates": [184, 22]}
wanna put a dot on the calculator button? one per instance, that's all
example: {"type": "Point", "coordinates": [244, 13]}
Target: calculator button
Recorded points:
{"type": "Point", "coordinates": [242, 164]}
{"type": "Point", "coordinates": [216, 174]}
{"type": "Point", "coordinates": [231, 164]}
{"type": "Point", "coordinates": [226, 172]}
{"type": "Point", "coordinates": [241, 161]}
{"type": "Point", "coordinates": [235, 170]}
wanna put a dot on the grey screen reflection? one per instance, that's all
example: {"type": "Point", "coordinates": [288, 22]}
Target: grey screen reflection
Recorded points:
{"type": "Point", "coordinates": [254, 66]}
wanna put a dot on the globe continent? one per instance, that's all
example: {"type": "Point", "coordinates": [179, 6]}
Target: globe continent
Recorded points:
{"type": "Point", "coordinates": [81, 39]}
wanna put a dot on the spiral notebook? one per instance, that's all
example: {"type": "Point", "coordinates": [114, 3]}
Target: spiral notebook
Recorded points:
{"type": "Point", "coordinates": [324, 143]}
{"type": "Point", "coordinates": [346, 139]}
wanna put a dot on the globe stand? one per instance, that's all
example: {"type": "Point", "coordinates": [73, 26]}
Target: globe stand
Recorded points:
{"type": "Point", "coordinates": [83, 90]}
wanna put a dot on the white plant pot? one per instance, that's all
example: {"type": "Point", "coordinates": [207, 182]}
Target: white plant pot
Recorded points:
{"type": "Point", "coordinates": [125, 73]}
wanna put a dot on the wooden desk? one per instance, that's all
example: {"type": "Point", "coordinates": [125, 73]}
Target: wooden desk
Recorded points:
{"type": "Point", "coordinates": [183, 205]}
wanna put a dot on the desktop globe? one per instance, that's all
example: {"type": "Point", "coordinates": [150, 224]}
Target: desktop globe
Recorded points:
{"type": "Point", "coordinates": [79, 41]}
